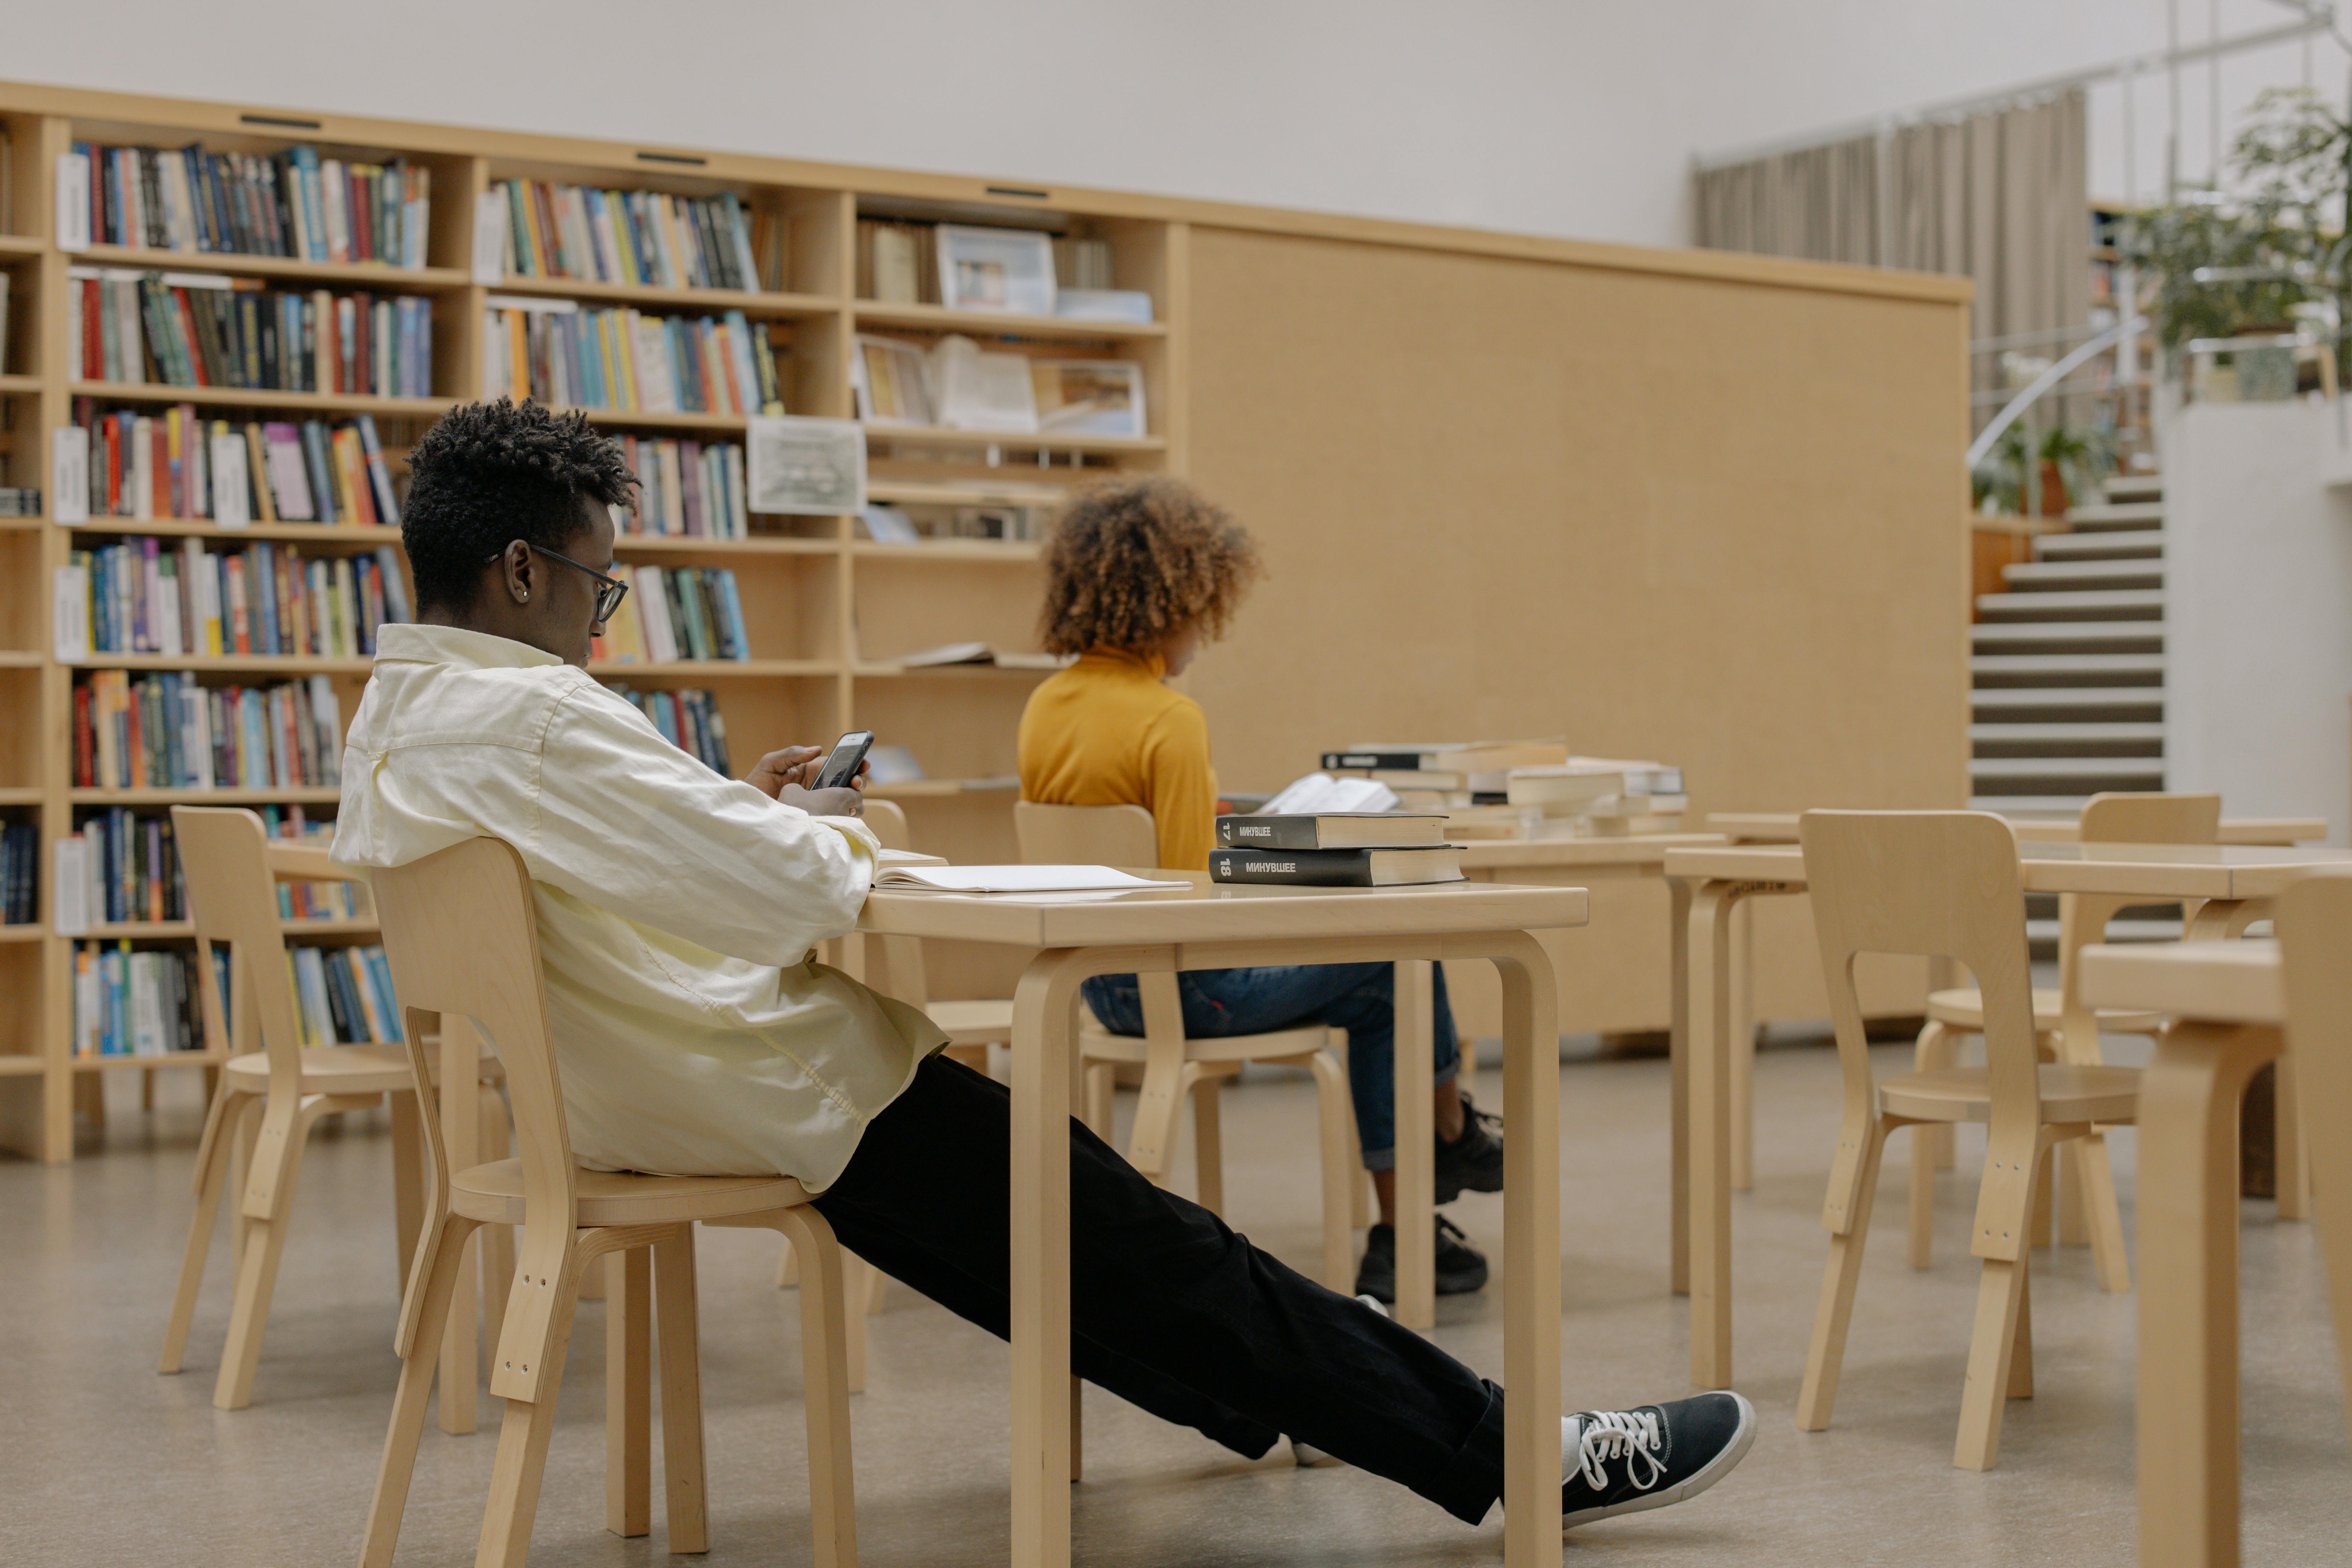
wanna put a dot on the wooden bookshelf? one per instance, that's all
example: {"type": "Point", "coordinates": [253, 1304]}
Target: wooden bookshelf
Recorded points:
{"type": "Point", "coordinates": [829, 612]}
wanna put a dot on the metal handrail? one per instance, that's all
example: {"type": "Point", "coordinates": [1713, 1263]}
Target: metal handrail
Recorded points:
{"type": "Point", "coordinates": [2042, 383]}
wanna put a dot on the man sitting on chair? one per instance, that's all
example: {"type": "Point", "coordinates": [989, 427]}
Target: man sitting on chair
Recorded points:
{"type": "Point", "coordinates": [678, 915]}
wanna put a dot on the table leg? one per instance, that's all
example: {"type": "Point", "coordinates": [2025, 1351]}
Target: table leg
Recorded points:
{"type": "Point", "coordinates": [1678, 903]}
{"type": "Point", "coordinates": [1531, 1328]}
{"type": "Point", "coordinates": [1709, 1124]}
{"type": "Point", "coordinates": [2189, 1292]}
{"type": "Point", "coordinates": [461, 1121]}
{"type": "Point", "coordinates": [1741, 1038]}
{"type": "Point", "coordinates": [1044, 1032]}
{"type": "Point", "coordinates": [1416, 1149]}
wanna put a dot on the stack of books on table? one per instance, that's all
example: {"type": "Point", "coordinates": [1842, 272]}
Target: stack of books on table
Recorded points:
{"type": "Point", "coordinates": [1323, 831]}
{"type": "Point", "coordinates": [1443, 776]}
{"type": "Point", "coordinates": [1587, 797]}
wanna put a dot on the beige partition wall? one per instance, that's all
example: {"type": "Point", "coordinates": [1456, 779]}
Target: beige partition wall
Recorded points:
{"type": "Point", "coordinates": [1695, 508]}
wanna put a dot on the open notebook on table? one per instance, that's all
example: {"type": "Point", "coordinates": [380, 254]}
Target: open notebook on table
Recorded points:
{"type": "Point", "coordinates": [904, 879]}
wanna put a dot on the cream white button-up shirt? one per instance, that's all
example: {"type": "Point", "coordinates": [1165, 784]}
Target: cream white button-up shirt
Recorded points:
{"type": "Point", "coordinates": [677, 910]}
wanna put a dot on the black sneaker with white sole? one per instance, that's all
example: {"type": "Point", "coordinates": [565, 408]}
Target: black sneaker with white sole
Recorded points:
{"type": "Point", "coordinates": [1622, 1461]}
{"type": "Point", "coordinates": [1460, 1267]}
{"type": "Point", "coordinates": [1473, 1162]}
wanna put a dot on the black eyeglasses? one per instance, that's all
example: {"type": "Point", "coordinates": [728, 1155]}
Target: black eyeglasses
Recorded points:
{"type": "Point", "coordinates": [610, 591]}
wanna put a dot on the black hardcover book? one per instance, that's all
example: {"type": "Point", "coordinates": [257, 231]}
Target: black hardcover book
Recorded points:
{"type": "Point", "coordinates": [1336, 868]}
{"type": "Point", "coordinates": [1331, 830]}
{"type": "Point", "coordinates": [1404, 761]}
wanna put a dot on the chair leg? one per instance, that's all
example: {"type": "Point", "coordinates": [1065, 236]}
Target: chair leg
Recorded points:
{"type": "Point", "coordinates": [855, 1273]}
{"type": "Point", "coordinates": [241, 1131]}
{"type": "Point", "coordinates": [1938, 1047]}
{"type": "Point", "coordinates": [1992, 1351]}
{"type": "Point", "coordinates": [825, 1376]}
{"type": "Point", "coordinates": [684, 1501]}
{"type": "Point", "coordinates": [1363, 1201]}
{"type": "Point", "coordinates": [1924, 1135]}
{"type": "Point", "coordinates": [1333, 1123]}
{"type": "Point", "coordinates": [788, 1268]}
{"type": "Point", "coordinates": [498, 1245]}
{"type": "Point", "coordinates": [1831, 1318]}
{"type": "Point", "coordinates": [520, 1464]}
{"type": "Point", "coordinates": [2090, 1175]}
{"type": "Point", "coordinates": [212, 1172]}
{"type": "Point", "coordinates": [628, 1392]}
{"type": "Point", "coordinates": [1101, 1083]}
{"type": "Point", "coordinates": [1149, 1141]}
{"type": "Point", "coordinates": [877, 1290]}
{"type": "Point", "coordinates": [2291, 1158]}
{"type": "Point", "coordinates": [1208, 1144]}
{"type": "Point", "coordinates": [416, 1372]}
{"type": "Point", "coordinates": [257, 1276]}
{"type": "Point", "coordinates": [2043, 1221]}
{"type": "Point", "coordinates": [2020, 1351]}
{"type": "Point", "coordinates": [408, 1179]}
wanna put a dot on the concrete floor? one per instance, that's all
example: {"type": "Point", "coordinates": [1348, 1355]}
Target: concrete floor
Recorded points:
{"type": "Point", "coordinates": [109, 1463]}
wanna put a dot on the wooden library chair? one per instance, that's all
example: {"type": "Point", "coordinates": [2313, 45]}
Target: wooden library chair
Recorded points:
{"type": "Point", "coordinates": [2085, 1203]}
{"type": "Point", "coordinates": [485, 969]}
{"type": "Point", "coordinates": [272, 1089]}
{"type": "Point", "coordinates": [2315, 933]}
{"type": "Point", "coordinates": [1175, 1066]}
{"type": "Point", "coordinates": [1943, 884]}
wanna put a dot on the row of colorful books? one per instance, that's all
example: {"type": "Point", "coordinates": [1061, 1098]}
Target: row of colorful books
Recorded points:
{"type": "Point", "coordinates": [687, 487]}
{"type": "Point", "coordinates": [172, 463]}
{"type": "Point", "coordinates": [294, 204]}
{"type": "Point", "coordinates": [688, 719]}
{"type": "Point", "coordinates": [676, 613]}
{"type": "Point", "coordinates": [200, 329]}
{"type": "Point", "coordinates": [627, 236]}
{"type": "Point", "coordinates": [139, 1002]}
{"type": "Point", "coordinates": [163, 731]}
{"type": "Point", "coordinates": [120, 867]}
{"type": "Point", "coordinates": [20, 873]}
{"type": "Point", "coordinates": [567, 357]}
{"type": "Point", "coordinates": [142, 595]}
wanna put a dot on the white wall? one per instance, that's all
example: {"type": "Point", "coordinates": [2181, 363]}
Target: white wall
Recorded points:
{"type": "Point", "coordinates": [1575, 120]}
{"type": "Point", "coordinates": [2258, 611]}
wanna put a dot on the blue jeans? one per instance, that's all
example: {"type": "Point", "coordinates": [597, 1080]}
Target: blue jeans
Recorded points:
{"type": "Point", "coordinates": [1358, 997]}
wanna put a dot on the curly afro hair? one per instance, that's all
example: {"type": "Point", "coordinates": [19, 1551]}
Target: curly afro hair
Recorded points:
{"type": "Point", "coordinates": [490, 473]}
{"type": "Point", "coordinates": [1135, 562]}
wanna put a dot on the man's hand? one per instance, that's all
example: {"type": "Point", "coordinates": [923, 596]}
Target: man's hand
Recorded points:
{"type": "Point", "coordinates": [794, 765]}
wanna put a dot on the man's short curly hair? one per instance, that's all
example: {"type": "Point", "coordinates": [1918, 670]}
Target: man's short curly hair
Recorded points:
{"type": "Point", "coordinates": [490, 473]}
{"type": "Point", "coordinates": [1135, 562]}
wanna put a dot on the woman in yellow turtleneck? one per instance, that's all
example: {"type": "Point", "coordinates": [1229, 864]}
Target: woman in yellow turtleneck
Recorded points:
{"type": "Point", "coordinates": [1139, 576]}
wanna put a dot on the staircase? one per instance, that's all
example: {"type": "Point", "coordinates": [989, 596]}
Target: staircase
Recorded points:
{"type": "Point", "coordinates": [2068, 676]}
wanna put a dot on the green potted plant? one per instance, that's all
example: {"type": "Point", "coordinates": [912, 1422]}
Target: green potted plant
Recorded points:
{"type": "Point", "coordinates": [2067, 460]}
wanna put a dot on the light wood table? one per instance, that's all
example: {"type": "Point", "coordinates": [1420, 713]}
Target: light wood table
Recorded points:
{"type": "Point", "coordinates": [2226, 1002]}
{"type": "Point", "coordinates": [1203, 926]}
{"type": "Point", "coordinates": [1780, 827]}
{"type": "Point", "coordinates": [1708, 884]}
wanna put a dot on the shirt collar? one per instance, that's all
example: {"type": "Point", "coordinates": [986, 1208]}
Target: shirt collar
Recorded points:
{"type": "Point", "coordinates": [456, 646]}
{"type": "Point", "coordinates": [1153, 665]}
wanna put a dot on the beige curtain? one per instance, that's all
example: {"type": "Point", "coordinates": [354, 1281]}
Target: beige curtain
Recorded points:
{"type": "Point", "coordinates": [2002, 197]}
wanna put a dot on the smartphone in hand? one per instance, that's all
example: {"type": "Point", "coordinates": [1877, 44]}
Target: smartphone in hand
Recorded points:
{"type": "Point", "coordinates": [841, 765]}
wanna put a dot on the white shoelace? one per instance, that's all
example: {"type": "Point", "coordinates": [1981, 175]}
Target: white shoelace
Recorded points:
{"type": "Point", "coordinates": [1630, 1435]}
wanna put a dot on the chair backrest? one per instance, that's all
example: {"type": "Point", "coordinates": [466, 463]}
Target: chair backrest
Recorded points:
{"type": "Point", "coordinates": [1085, 835]}
{"type": "Point", "coordinates": [231, 870]}
{"type": "Point", "coordinates": [888, 818]}
{"type": "Point", "coordinates": [1941, 884]}
{"type": "Point", "coordinates": [2120, 817]}
{"type": "Point", "coordinates": [890, 964]}
{"type": "Point", "coordinates": [2314, 929]}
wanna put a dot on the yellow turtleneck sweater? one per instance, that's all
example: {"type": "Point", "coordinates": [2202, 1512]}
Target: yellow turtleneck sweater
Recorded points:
{"type": "Point", "coordinates": [1106, 732]}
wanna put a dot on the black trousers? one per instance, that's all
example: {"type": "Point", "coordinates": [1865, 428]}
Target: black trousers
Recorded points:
{"type": "Point", "coordinates": [1169, 1309]}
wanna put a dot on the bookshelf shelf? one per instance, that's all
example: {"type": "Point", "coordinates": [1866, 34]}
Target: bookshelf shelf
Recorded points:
{"type": "Point", "coordinates": [165, 1059]}
{"type": "Point", "coordinates": [246, 397]}
{"type": "Point", "coordinates": [997, 324]}
{"type": "Point", "coordinates": [675, 301]}
{"type": "Point", "coordinates": [805, 585]}
{"type": "Point", "coordinates": [293, 794]}
{"type": "Point", "coordinates": [1016, 552]}
{"type": "Point", "coordinates": [370, 275]}
{"type": "Point", "coordinates": [365, 536]}
{"type": "Point", "coordinates": [692, 544]}
{"type": "Point", "coordinates": [976, 440]}
{"type": "Point", "coordinates": [270, 663]}
{"type": "Point", "coordinates": [702, 670]}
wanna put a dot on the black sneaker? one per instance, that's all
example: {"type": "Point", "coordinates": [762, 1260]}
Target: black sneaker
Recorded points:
{"type": "Point", "coordinates": [1473, 1161]}
{"type": "Point", "coordinates": [1460, 1267]}
{"type": "Point", "coordinates": [1660, 1454]}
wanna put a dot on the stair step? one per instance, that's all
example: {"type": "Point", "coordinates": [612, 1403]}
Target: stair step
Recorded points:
{"type": "Point", "coordinates": [2125, 544]}
{"type": "Point", "coordinates": [2068, 636]}
{"type": "Point", "coordinates": [2116, 514]}
{"type": "Point", "coordinates": [2134, 486]}
{"type": "Point", "coordinates": [2067, 669]}
{"type": "Point", "coordinates": [2065, 576]}
{"type": "Point", "coordinates": [2032, 706]}
{"type": "Point", "coordinates": [2109, 739]}
{"type": "Point", "coordinates": [2068, 605]}
{"type": "Point", "coordinates": [2038, 776]}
